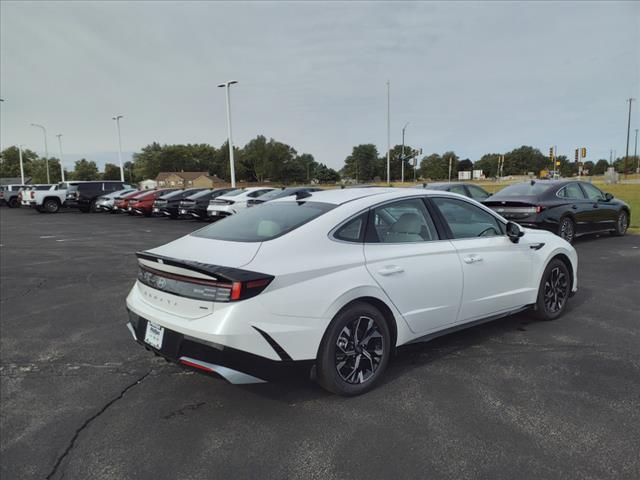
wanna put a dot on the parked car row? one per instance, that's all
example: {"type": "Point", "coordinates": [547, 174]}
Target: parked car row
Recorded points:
{"type": "Point", "coordinates": [568, 208]}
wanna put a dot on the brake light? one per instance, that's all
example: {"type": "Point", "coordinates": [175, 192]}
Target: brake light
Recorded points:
{"type": "Point", "coordinates": [20, 196]}
{"type": "Point", "coordinates": [33, 195]}
{"type": "Point", "coordinates": [539, 208]}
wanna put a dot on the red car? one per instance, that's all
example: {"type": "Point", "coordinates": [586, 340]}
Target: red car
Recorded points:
{"type": "Point", "coordinates": [121, 204]}
{"type": "Point", "coordinates": [142, 204]}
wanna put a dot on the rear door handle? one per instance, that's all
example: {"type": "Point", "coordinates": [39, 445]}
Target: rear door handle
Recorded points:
{"type": "Point", "coordinates": [472, 259]}
{"type": "Point", "coordinates": [390, 270]}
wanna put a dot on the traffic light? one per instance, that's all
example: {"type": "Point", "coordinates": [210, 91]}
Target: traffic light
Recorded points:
{"type": "Point", "coordinates": [577, 153]}
{"type": "Point", "coordinates": [551, 152]}
{"type": "Point", "coordinates": [584, 152]}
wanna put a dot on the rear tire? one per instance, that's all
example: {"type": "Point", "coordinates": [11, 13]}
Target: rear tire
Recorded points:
{"type": "Point", "coordinates": [51, 205]}
{"type": "Point", "coordinates": [622, 223]}
{"type": "Point", "coordinates": [354, 351]}
{"type": "Point", "coordinates": [13, 202]}
{"type": "Point", "coordinates": [554, 290]}
{"type": "Point", "coordinates": [567, 229]}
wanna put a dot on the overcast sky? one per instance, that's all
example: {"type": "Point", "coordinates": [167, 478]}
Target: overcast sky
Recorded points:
{"type": "Point", "coordinates": [469, 77]}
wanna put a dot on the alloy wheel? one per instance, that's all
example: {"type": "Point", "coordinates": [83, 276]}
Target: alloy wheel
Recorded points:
{"type": "Point", "coordinates": [623, 222]}
{"type": "Point", "coordinates": [567, 230]}
{"type": "Point", "coordinates": [360, 349]}
{"type": "Point", "coordinates": [556, 290]}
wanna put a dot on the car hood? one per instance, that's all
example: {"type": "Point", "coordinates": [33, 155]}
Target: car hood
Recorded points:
{"type": "Point", "coordinates": [209, 251]}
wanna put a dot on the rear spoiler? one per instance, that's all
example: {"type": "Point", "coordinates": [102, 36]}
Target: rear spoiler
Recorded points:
{"type": "Point", "coordinates": [216, 271]}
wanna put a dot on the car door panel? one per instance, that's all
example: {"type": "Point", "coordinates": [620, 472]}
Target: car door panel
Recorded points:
{"type": "Point", "coordinates": [423, 280]}
{"type": "Point", "coordinates": [497, 273]}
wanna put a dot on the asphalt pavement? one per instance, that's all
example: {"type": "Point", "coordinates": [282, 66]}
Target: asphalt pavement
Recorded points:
{"type": "Point", "coordinates": [515, 398]}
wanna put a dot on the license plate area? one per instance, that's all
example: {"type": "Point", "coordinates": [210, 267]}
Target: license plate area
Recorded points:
{"type": "Point", "coordinates": [153, 335]}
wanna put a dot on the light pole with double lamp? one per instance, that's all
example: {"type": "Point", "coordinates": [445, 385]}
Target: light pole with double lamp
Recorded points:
{"type": "Point", "coordinates": [227, 86]}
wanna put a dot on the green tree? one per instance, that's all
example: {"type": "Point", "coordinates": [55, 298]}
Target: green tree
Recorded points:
{"type": "Point", "coordinates": [309, 164]}
{"type": "Point", "coordinates": [10, 162]}
{"type": "Point", "coordinates": [325, 174]}
{"type": "Point", "coordinates": [588, 166]}
{"type": "Point", "coordinates": [111, 172]}
{"type": "Point", "coordinates": [465, 165]}
{"type": "Point", "coordinates": [524, 159]}
{"type": "Point", "coordinates": [156, 158]}
{"type": "Point", "coordinates": [433, 167]}
{"type": "Point", "coordinates": [567, 167]}
{"type": "Point", "coordinates": [362, 163]}
{"type": "Point", "coordinates": [600, 167]}
{"type": "Point", "coordinates": [488, 163]}
{"type": "Point", "coordinates": [85, 170]}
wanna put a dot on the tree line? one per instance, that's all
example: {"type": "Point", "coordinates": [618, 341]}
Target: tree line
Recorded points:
{"type": "Point", "coordinates": [262, 160]}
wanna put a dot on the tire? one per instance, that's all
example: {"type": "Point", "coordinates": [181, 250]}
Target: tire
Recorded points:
{"type": "Point", "coordinates": [622, 223]}
{"type": "Point", "coordinates": [51, 205]}
{"type": "Point", "coordinates": [92, 207]}
{"type": "Point", "coordinates": [554, 290]}
{"type": "Point", "coordinates": [567, 229]}
{"type": "Point", "coordinates": [340, 366]}
{"type": "Point", "coordinates": [13, 202]}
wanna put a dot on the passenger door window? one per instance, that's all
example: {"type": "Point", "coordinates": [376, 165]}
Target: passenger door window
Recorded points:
{"type": "Point", "coordinates": [459, 189]}
{"type": "Point", "coordinates": [592, 192]}
{"type": "Point", "coordinates": [477, 193]}
{"type": "Point", "coordinates": [404, 221]}
{"type": "Point", "coordinates": [572, 191]}
{"type": "Point", "coordinates": [466, 220]}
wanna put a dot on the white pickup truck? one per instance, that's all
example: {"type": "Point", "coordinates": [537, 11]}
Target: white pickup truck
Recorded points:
{"type": "Point", "coordinates": [48, 201]}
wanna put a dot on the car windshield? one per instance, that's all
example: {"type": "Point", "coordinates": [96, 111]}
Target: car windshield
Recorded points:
{"type": "Point", "coordinates": [524, 189]}
{"type": "Point", "coordinates": [278, 194]}
{"type": "Point", "coordinates": [233, 193]}
{"type": "Point", "coordinates": [169, 196]}
{"type": "Point", "coordinates": [264, 223]}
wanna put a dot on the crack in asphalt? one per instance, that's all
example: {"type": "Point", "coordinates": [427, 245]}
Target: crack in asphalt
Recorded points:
{"type": "Point", "coordinates": [183, 410]}
{"type": "Point", "coordinates": [37, 286]}
{"type": "Point", "coordinates": [88, 421]}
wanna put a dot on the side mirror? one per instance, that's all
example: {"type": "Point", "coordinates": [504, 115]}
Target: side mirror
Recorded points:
{"type": "Point", "coordinates": [514, 232]}
{"type": "Point", "coordinates": [608, 197]}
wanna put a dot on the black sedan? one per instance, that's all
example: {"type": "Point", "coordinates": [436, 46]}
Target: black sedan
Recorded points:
{"type": "Point", "coordinates": [168, 205]}
{"type": "Point", "coordinates": [281, 193]}
{"type": "Point", "coordinates": [567, 208]}
{"type": "Point", "coordinates": [467, 189]}
{"type": "Point", "coordinates": [196, 205]}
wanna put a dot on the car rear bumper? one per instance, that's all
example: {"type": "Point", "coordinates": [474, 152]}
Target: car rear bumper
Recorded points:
{"type": "Point", "coordinates": [234, 365]}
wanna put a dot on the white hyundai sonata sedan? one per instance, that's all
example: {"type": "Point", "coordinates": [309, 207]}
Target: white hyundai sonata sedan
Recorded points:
{"type": "Point", "coordinates": [332, 282]}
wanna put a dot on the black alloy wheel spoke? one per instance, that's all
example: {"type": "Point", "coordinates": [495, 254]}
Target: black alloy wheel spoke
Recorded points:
{"type": "Point", "coordinates": [359, 350]}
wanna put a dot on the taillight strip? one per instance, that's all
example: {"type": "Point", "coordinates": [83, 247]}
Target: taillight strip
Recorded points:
{"type": "Point", "coordinates": [184, 278]}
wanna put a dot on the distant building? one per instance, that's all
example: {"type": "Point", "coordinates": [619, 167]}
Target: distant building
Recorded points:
{"type": "Point", "coordinates": [187, 180]}
{"type": "Point", "coordinates": [148, 184]}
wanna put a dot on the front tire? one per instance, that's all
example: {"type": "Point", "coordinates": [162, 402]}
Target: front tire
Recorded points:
{"type": "Point", "coordinates": [567, 229]}
{"type": "Point", "coordinates": [622, 223]}
{"type": "Point", "coordinates": [355, 350]}
{"type": "Point", "coordinates": [554, 291]}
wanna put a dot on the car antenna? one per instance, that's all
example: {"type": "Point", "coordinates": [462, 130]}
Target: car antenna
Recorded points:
{"type": "Point", "coordinates": [533, 182]}
{"type": "Point", "coordinates": [424, 185]}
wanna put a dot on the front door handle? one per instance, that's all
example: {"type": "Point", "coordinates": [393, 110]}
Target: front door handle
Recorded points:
{"type": "Point", "coordinates": [472, 259]}
{"type": "Point", "coordinates": [575, 207]}
{"type": "Point", "coordinates": [390, 270]}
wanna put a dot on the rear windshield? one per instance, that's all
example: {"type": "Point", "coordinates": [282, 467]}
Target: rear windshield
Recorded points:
{"type": "Point", "coordinates": [199, 194]}
{"type": "Point", "coordinates": [233, 193]}
{"type": "Point", "coordinates": [264, 223]}
{"type": "Point", "coordinates": [522, 189]}
{"type": "Point", "coordinates": [277, 194]}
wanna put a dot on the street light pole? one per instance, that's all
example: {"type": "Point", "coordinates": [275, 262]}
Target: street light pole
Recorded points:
{"type": "Point", "coordinates": [117, 119]}
{"type": "Point", "coordinates": [21, 164]}
{"type": "Point", "coordinates": [227, 86]}
{"type": "Point", "coordinates": [60, 146]}
{"type": "Point", "coordinates": [402, 154]}
{"type": "Point", "coordinates": [635, 153]}
{"type": "Point", "coordinates": [388, 132]}
{"type": "Point", "coordinates": [46, 149]}
{"type": "Point", "coordinates": [626, 158]}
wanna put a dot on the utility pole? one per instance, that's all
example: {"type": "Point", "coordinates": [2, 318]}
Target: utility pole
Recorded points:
{"type": "Point", "coordinates": [450, 158]}
{"type": "Point", "coordinates": [227, 86]}
{"type": "Point", "coordinates": [388, 132]}
{"type": "Point", "coordinates": [21, 165]}
{"type": "Point", "coordinates": [46, 149]}
{"type": "Point", "coordinates": [117, 119]}
{"type": "Point", "coordinates": [402, 154]}
{"type": "Point", "coordinates": [635, 153]}
{"type": "Point", "coordinates": [626, 158]}
{"type": "Point", "coordinates": [60, 146]}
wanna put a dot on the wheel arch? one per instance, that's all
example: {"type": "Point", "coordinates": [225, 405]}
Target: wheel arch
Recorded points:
{"type": "Point", "coordinates": [51, 197]}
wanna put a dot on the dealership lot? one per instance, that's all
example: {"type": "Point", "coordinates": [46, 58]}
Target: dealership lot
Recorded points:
{"type": "Point", "coordinates": [514, 398]}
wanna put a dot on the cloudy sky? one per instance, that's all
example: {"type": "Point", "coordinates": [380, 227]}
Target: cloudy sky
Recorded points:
{"type": "Point", "coordinates": [469, 77]}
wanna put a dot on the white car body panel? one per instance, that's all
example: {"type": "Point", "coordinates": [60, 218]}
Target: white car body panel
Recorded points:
{"type": "Point", "coordinates": [217, 207]}
{"type": "Point", "coordinates": [315, 276]}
